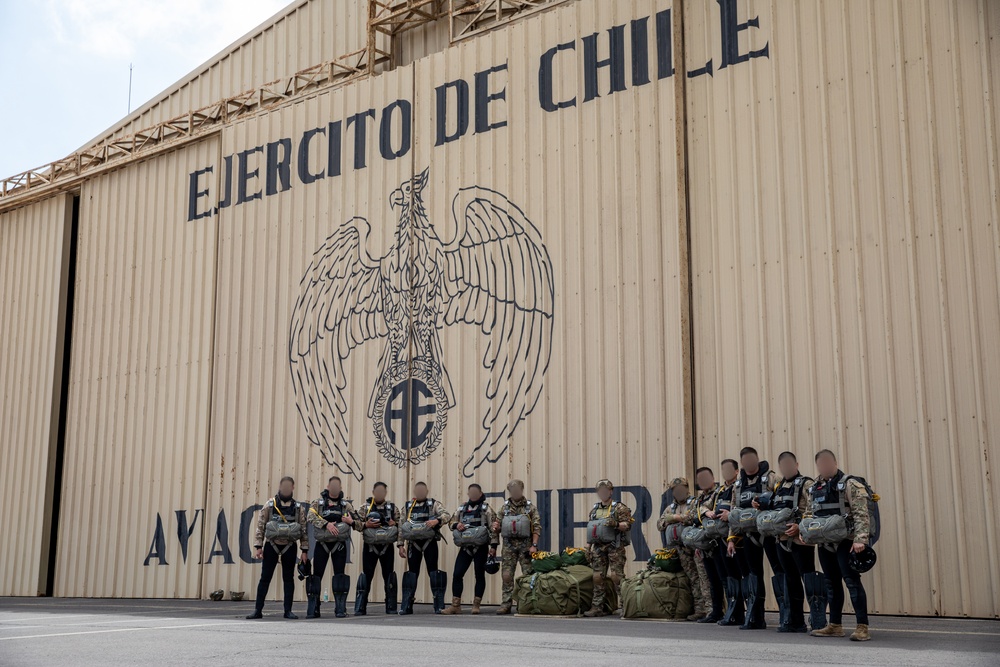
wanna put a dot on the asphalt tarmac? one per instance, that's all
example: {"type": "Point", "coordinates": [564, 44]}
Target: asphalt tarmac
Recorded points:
{"type": "Point", "coordinates": [70, 632]}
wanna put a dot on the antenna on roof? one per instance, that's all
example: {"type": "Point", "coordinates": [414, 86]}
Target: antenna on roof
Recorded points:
{"type": "Point", "coordinates": [129, 89]}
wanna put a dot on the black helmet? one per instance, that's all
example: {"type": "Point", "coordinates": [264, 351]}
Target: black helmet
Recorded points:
{"type": "Point", "coordinates": [492, 565]}
{"type": "Point", "coordinates": [764, 500]}
{"type": "Point", "coordinates": [864, 561]}
{"type": "Point", "coordinates": [305, 569]}
{"type": "Point", "coordinates": [375, 516]}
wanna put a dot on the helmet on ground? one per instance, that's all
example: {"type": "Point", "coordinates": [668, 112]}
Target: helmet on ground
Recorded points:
{"type": "Point", "coordinates": [492, 565]}
{"type": "Point", "coordinates": [864, 561]}
{"type": "Point", "coordinates": [305, 569]}
{"type": "Point", "coordinates": [216, 595]}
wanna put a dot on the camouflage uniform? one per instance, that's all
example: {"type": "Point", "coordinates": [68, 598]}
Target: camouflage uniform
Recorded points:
{"type": "Point", "coordinates": [265, 515]}
{"type": "Point", "coordinates": [516, 549]}
{"type": "Point", "coordinates": [608, 559]}
{"type": "Point", "coordinates": [694, 568]}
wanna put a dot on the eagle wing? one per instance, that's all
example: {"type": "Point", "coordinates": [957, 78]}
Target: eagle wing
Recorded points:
{"type": "Point", "coordinates": [500, 278]}
{"type": "Point", "coordinates": [340, 306]}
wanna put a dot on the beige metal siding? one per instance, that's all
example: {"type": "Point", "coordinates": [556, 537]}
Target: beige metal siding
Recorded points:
{"type": "Point", "coordinates": [34, 255]}
{"type": "Point", "coordinates": [137, 425]}
{"type": "Point", "coordinates": [844, 215]}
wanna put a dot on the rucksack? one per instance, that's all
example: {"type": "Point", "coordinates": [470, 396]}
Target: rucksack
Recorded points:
{"type": "Point", "coordinates": [657, 594]}
{"type": "Point", "coordinates": [874, 516]}
{"type": "Point", "coordinates": [568, 591]}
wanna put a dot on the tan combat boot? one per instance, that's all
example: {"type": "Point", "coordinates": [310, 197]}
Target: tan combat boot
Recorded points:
{"type": "Point", "coordinates": [861, 633]}
{"type": "Point", "coordinates": [504, 609]}
{"type": "Point", "coordinates": [475, 605]}
{"type": "Point", "coordinates": [831, 630]}
{"type": "Point", "coordinates": [594, 612]}
{"type": "Point", "coordinates": [455, 608]}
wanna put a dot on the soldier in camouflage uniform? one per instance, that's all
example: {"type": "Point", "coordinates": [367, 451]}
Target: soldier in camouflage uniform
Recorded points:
{"type": "Point", "coordinates": [516, 549]}
{"type": "Point", "coordinates": [283, 509]}
{"type": "Point", "coordinates": [707, 568]}
{"type": "Point", "coordinates": [608, 560]}
{"type": "Point", "coordinates": [683, 510]}
{"type": "Point", "coordinates": [824, 500]}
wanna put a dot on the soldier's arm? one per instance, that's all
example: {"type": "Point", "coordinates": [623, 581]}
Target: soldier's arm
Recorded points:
{"type": "Point", "coordinates": [395, 517]}
{"type": "Point", "coordinates": [262, 517]}
{"type": "Point", "coordinates": [453, 521]}
{"type": "Point", "coordinates": [858, 501]}
{"type": "Point", "coordinates": [440, 513]}
{"type": "Point", "coordinates": [665, 520]}
{"type": "Point", "coordinates": [804, 496]}
{"type": "Point", "coordinates": [314, 517]}
{"type": "Point", "coordinates": [301, 518]}
{"type": "Point", "coordinates": [490, 518]}
{"type": "Point", "coordinates": [536, 524]}
{"type": "Point", "coordinates": [624, 513]}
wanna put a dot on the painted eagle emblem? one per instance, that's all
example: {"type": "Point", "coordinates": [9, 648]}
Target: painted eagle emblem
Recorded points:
{"type": "Point", "coordinates": [494, 273]}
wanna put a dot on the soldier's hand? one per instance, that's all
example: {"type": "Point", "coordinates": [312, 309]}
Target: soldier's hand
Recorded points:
{"type": "Point", "coordinates": [731, 549]}
{"type": "Point", "coordinates": [433, 523]}
{"type": "Point", "coordinates": [304, 557]}
{"type": "Point", "coordinates": [793, 530]}
{"type": "Point", "coordinates": [348, 519]}
{"type": "Point", "coordinates": [858, 547]}
{"type": "Point", "coordinates": [460, 526]}
{"type": "Point", "coordinates": [725, 515]}
{"type": "Point", "coordinates": [679, 518]}
{"type": "Point", "coordinates": [755, 504]}
{"type": "Point", "coordinates": [371, 523]}
{"type": "Point", "coordinates": [532, 549]}
{"type": "Point", "coordinates": [392, 522]}
{"type": "Point", "coordinates": [493, 551]}
{"type": "Point", "coordinates": [258, 554]}
{"type": "Point", "coordinates": [402, 552]}
{"type": "Point", "coordinates": [331, 528]}
{"type": "Point", "coordinates": [623, 526]}
{"type": "Point", "coordinates": [496, 526]}
{"type": "Point", "coordinates": [710, 514]}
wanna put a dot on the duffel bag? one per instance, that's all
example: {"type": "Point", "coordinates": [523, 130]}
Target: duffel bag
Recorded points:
{"type": "Point", "coordinates": [545, 561]}
{"type": "Point", "coordinates": [696, 537]}
{"type": "Point", "coordinates": [380, 536]}
{"type": "Point", "coordinates": [666, 560]}
{"type": "Point", "coordinates": [774, 523]}
{"type": "Point", "coordinates": [657, 594]}
{"type": "Point", "coordinates": [743, 520]}
{"type": "Point", "coordinates": [472, 536]}
{"type": "Point", "coordinates": [568, 591]}
{"type": "Point", "coordinates": [418, 531]}
{"type": "Point", "coordinates": [824, 529]}
{"type": "Point", "coordinates": [574, 556]}
{"type": "Point", "coordinates": [342, 535]}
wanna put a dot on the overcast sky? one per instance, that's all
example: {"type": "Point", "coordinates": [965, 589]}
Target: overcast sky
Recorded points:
{"type": "Point", "coordinates": [65, 64]}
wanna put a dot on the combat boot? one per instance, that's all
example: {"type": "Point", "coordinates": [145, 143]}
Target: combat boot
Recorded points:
{"type": "Point", "coordinates": [860, 633]}
{"type": "Point", "coordinates": [475, 605]}
{"type": "Point", "coordinates": [831, 630]}
{"type": "Point", "coordinates": [455, 608]}
{"type": "Point", "coordinates": [594, 612]}
{"type": "Point", "coordinates": [504, 609]}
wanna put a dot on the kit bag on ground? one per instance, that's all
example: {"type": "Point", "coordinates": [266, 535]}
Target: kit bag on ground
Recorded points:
{"type": "Point", "coordinates": [567, 591]}
{"type": "Point", "coordinates": [666, 560]}
{"type": "Point", "coordinates": [574, 556]}
{"type": "Point", "coordinates": [545, 561]}
{"type": "Point", "coordinates": [657, 594]}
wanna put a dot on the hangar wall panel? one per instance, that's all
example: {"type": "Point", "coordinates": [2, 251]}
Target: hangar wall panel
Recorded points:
{"type": "Point", "coordinates": [845, 255]}
{"type": "Point", "coordinates": [137, 424]}
{"type": "Point", "coordinates": [34, 256]}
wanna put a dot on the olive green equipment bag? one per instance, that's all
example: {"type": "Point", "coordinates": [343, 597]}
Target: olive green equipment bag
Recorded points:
{"type": "Point", "coordinates": [574, 556]}
{"type": "Point", "coordinates": [545, 561]}
{"type": "Point", "coordinates": [657, 594]}
{"type": "Point", "coordinates": [666, 560]}
{"type": "Point", "coordinates": [568, 591]}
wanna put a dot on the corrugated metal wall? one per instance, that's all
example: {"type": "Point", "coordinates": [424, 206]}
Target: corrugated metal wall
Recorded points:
{"type": "Point", "coordinates": [845, 250]}
{"type": "Point", "coordinates": [34, 255]}
{"type": "Point", "coordinates": [137, 419]}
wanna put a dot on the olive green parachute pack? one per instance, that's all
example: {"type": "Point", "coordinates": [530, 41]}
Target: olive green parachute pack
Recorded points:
{"type": "Point", "coordinates": [657, 594]}
{"type": "Point", "coordinates": [568, 591]}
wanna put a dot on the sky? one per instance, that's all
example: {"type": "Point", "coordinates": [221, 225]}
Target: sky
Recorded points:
{"type": "Point", "coordinates": [65, 64]}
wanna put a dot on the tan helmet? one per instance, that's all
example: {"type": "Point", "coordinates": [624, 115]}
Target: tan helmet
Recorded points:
{"type": "Point", "coordinates": [515, 483]}
{"type": "Point", "coordinates": [677, 481]}
{"type": "Point", "coordinates": [606, 483]}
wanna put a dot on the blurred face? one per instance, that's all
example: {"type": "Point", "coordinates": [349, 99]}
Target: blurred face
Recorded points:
{"type": "Point", "coordinates": [475, 494]}
{"type": "Point", "coordinates": [706, 480]}
{"type": "Point", "coordinates": [750, 463]}
{"type": "Point", "coordinates": [420, 492]}
{"type": "Point", "coordinates": [681, 492]}
{"type": "Point", "coordinates": [789, 467]}
{"type": "Point", "coordinates": [378, 493]}
{"type": "Point", "coordinates": [729, 472]}
{"type": "Point", "coordinates": [333, 488]}
{"type": "Point", "coordinates": [286, 488]}
{"type": "Point", "coordinates": [604, 493]}
{"type": "Point", "coordinates": [826, 465]}
{"type": "Point", "coordinates": [516, 492]}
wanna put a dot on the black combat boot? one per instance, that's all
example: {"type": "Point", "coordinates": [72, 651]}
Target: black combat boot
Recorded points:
{"type": "Point", "coordinates": [341, 587]}
{"type": "Point", "coordinates": [409, 593]}
{"type": "Point", "coordinates": [815, 585]}
{"type": "Point", "coordinates": [734, 603]}
{"type": "Point", "coordinates": [391, 592]}
{"type": "Point", "coordinates": [784, 609]}
{"type": "Point", "coordinates": [439, 584]}
{"type": "Point", "coordinates": [754, 594]}
{"type": "Point", "coordinates": [361, 596]}
{"type": "Point", "coordinates": [313, 584]}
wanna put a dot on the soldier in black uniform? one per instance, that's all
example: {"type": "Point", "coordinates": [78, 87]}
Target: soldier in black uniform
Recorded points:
{"type": "Point", "coordinates": [377, 512]}
{"type": "Point", "coordinates": [474, 515]}
{"type": "Point", "coordinates": [797, 560]}
{"type": "Point", "coordinates": [421, 509]}
{"type": "Point", "coordinates": [325, 513]}
{"type": "Point", "coordinates": [727, 567]}
{"type": "Point", "coordinates": [280, 524]}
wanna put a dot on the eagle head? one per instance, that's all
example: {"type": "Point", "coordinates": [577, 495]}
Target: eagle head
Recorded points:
{"type": "Point", "coordinates": [409, 193]}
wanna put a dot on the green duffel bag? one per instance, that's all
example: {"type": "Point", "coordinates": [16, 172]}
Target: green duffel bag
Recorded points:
{"type": "Point", "coordinates": [574, 556]}
{"type": "Point", "coordinates": [568, 591]}
{"type": "Point", "coordinates": [666, 560]}
{"type": "Point", "coordinates": [657, 594]}
{"type": "Point", "coordinates": [545, 561]}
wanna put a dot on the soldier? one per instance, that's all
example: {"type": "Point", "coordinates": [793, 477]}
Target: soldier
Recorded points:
{"type": "Point", "coordinates": [325, 513]}
{"type": "Point", "coordinates": [680, 511]}
{"type": "Point", "coordinates": [520, 526]}
{"type": "Point", "coordinates": [378, 514]}
{"type": "Point", "coordinates": [727, 566]}
{"type": "Point", "coordinates": [797, 560]}
{"type": "Point", "coordinates": [429, 514]}
{"type": "Point", "coordinates": [608, 557]}
{"type": "Point", "coordinates": [825, 496]}
{"type": "Point", "coordinates": [280, 524]}
{"type": "Point", "coordinates": [755, 478]}
{"type": "Point", "coordinates": [705, 560]}
{"type": "Point", "coordinates": [474, 536]}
